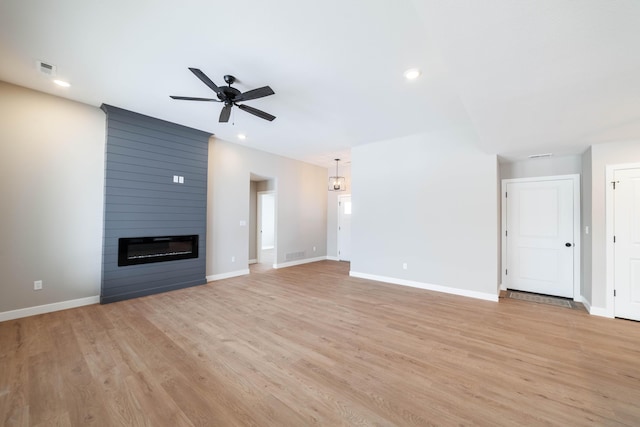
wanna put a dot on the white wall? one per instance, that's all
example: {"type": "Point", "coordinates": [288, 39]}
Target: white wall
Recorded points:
{"type": "Point", "coordinates": [586, 262]}
{"type": "Point", "coordinates": [431, 201]}
{"type": "Point", "coordinates": [52, 187]}
{"type": "Point", "coordinates": [544, 166]}
{"type": "Point", "coordinates": [301, 206]}
{"type": "Point", "coordinates": [603, 155]}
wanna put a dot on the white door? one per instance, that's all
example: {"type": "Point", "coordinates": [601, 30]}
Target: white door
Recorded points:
{"type": "Point", "coordinates": [627, 243]}
{"type": "Point", "coordinates": [539, 237]}
{"type": "Point", "coordinates": [344, 228]}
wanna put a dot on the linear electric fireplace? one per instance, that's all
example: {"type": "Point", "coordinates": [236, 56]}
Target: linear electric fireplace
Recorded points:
{"type": "Point", "coordinates": [145, 250]}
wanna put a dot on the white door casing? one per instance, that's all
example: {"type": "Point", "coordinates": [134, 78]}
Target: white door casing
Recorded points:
{"type": "Point", "coordinates": [626, 242]}
{"type": "Point", "coordinates": [344, 228]}
{"type": "Point", "coordinates": [540, 235]}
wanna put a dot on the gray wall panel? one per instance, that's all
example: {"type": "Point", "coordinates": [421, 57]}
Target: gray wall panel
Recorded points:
{"type": "Point", "coordinates": [141, 200]}
{"type": "Point", "coordinates": [113, 233]}
{"type": "Point", "coordinates": [144, 186]}
{"type": "Point", "coordinates": [136, 149]}
{"type": "Point", "coordinates": [118, 201]}
{"type": "Point", "coordinates": [146, 161]}
{"type": "Point", "coordinates": [120, 277]}
{"type": "Point", "coordinates": [160, 194]}
{"type": "Point", "coordinates": [154, 125]}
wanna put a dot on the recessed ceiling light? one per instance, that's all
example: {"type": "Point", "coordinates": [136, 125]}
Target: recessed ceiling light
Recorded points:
{"type": "Point", "coordinates": [412, 74]}
{"type": "Point", "coordinates": [242, 136]}
{"type": "Point", "coordinates": [62, 83]}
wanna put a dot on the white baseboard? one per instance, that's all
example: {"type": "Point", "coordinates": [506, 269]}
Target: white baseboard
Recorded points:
{"type": "Point", "coordinates": [299, 262]}
{"type": "Point", "coordinates": [600, 311]}
{"type": "Point", "coordinates": [332, 258]}
{"type": "Point", "coordinates": [595, 311]}
{"type": "Point", "coordinates": [229, 275]}
{"type": "Point", "coordinates": [48, 308]}
{"type": "Point", "coordinates": [253, 261]}
{"type": "Point", "coordinates": [427, 286]}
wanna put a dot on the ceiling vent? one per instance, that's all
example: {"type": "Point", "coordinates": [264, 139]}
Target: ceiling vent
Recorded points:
{"type": "Point", "coordinates": [46, 69]}
{"type": "Point", "coordinates": [537, 156]}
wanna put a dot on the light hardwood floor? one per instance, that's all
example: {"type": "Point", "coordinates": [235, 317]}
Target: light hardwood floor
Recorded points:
{"type": "Point", "coordinates": [308, 345]}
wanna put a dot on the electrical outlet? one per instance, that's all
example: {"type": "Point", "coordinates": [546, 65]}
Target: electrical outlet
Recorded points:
{"type": "Point", "coordinates": [404, 265]}
{"type": "Point", "coordinates": [37, 285]}
{"type": "Point", "coordinates": [314, 249]}
{"type": "Point", "coordinates": [233, 259]}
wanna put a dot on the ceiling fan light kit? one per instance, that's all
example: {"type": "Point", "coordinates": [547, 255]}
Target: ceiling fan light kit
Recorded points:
{"type": "Point", "coordinates": [230, 96]}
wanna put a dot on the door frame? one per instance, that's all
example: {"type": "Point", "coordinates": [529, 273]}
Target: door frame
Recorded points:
{"type": "Point", "coordinates": [575, 178]}
{"type": "Point", "coordinates": [338, 224]}
{"type": "Point", "coordinates": [610, 309]}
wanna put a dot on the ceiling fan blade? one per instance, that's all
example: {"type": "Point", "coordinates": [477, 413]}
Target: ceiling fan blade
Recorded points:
{"type": "Point", "coordinates": [225, 113]}
{"type": "Point", "coordinates": [257, 112]}
{"type": "Point", "coordinates": [190, 98]}
{"type": "Point", "coordinates": [255, 94]}
{"type": "Point", "coordinates": [206, 80]}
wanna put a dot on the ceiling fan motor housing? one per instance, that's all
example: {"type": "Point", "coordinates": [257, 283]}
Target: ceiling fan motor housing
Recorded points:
{"type": "Point", "coordinates": [228, 94]}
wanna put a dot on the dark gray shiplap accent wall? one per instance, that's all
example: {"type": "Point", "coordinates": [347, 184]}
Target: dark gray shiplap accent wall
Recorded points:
{"type": "Point", "coordinates": [141, 199]}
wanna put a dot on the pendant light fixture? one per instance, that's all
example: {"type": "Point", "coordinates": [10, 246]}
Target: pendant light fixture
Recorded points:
{"type": "Point", "coordinates": [337, 183]}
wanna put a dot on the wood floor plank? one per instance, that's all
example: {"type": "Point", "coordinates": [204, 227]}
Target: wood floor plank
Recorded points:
{"type": "Point", "coordinates": [14, 408]}
{"type": "Point", "coordinates": [309, 345]}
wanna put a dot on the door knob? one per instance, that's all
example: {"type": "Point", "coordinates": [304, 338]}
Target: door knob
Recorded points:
{"type": "Point", "coordinates": [568, 244]}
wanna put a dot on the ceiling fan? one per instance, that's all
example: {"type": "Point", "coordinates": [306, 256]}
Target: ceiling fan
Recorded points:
{"type": "Point", "coordinates": [230, 96]}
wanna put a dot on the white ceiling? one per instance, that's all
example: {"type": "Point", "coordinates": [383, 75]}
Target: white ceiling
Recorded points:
{"type": "Point", "coordinates": [529, 76]}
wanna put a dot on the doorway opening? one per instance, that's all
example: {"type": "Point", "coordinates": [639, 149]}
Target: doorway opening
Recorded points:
{"type": "Point", "coordinates": [266, 227]}
{"type": "Point", "coordinates": [262, 224]}
{"type": "Point", "coordinates": [541, 235]}
{"type": "Point", "coordinates": [344, 227]}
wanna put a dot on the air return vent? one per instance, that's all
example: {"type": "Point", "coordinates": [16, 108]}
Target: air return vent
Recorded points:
{"type": "Point", "coordinates": [538, 156]}
{"type": "Point", "coordinates": [46, 69]}
{"type": "Point", "coordinates": [294, 255]}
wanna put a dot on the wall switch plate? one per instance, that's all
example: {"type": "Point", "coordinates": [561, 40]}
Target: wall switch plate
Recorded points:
{"type": "Point", "coordinates": [404, 265]}
{"type": "Point", "coordinates": [37, 285]}
{"type": "Point", "coordinates": [314, 249]}
{"type": "Point", "coordinates": [243, 223]}
{"type": "Point", "coordinates": [586, 229]}
{"type": "Point", "coordinates": [175, 178]}
{"type": "Point", "coordinates": [233, 259]}
{"type": "Point", "coordinates": [181, 179]}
